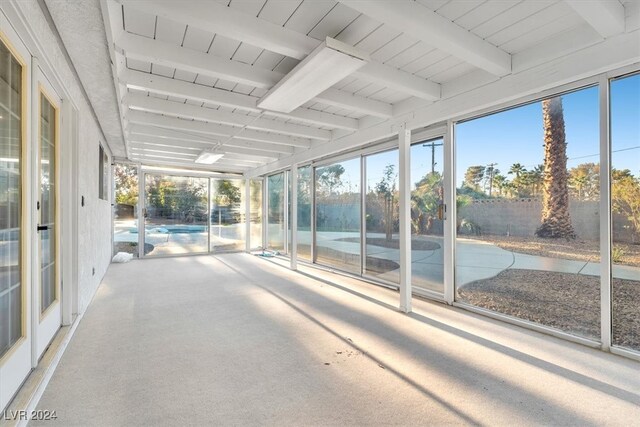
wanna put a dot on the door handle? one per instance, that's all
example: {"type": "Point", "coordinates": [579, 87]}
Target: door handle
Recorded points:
{"type": "Point", "coordinates": [42, 227]}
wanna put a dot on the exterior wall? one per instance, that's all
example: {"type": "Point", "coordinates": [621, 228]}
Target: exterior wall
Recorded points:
{"type": "Point", "coordinates": [94, 219]}
{"type": "Point", "coordinates": [521, 218]}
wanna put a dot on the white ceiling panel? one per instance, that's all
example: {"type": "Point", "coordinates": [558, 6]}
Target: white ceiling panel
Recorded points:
{"type": "Point", "coordinates": [139, 23]}
{"type": "Point", "coordinates": [334, 22]}
{"type": "Point", "coordinates": [308, 15]}
{"type": "Point", "coordinates": [170, 31]}
{"type": "Point", "coordinates": [511, 17]}
{"type": "Point", "coordinates": [197, 39]}
{"type": "Point", "coordinates": [458, 8]}
{"type": "Point", "coordinates": [278, 11]}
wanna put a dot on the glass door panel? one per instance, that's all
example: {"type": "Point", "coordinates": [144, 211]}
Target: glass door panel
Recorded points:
{"type": "Point", "coordinates": [176, 218]}
{"type": "Point", "coordinates": [382, 221]}
{"type": "Point", "coordinates": [255, 193]}
{"type": "Point", "coordinates": [11, 295]}
{"type": "Point", "coordinates": [125, 216]}
{"type": "Point", "coordinates": [528, 241]}
{"type": "Point", "coordinates": [228, 227]}
{"type": "Point", "coordinates": [338, 215]}
{"type": "Point", "coordinates": [47, 203]}
{"type": "Point", "coordinates": [15, 294]}
{"type": "Point", "coordinates": [625, 203]}
{"type": "Point", "coordinates": [276, 212]}
{"type": "Point", "coordinates": [427, 225]}
{"type": "Point", "coordinates": [304, 213]}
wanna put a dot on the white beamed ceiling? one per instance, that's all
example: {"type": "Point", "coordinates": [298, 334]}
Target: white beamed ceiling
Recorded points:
{"type": "Point", "coordinates": [188, 74]}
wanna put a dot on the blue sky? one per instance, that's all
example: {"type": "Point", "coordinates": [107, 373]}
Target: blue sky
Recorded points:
{"type": "Point", "coordinates": [516, 136]}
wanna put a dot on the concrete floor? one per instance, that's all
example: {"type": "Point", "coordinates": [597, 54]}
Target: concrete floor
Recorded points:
{"type": "Point", "coordinates": [234, 339]}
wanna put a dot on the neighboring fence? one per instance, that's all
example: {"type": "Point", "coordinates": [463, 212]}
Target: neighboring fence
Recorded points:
{"type": "Point", "coordinates": [521, 217]}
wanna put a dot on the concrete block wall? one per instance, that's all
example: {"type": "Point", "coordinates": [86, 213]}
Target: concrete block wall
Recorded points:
{"type": "Point", "coordinates": [94, 219]}
{"type": "Point", "coordinates": [521, 217]}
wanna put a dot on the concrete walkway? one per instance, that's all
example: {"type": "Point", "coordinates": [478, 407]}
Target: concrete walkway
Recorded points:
{"type": "Point", "coordinates": [237, 340]}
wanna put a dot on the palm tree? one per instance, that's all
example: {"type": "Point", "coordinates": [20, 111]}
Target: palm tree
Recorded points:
{"type": "Point", "coordinates": [517, 169]}
{"type": "Point", "coordinates": [556, 220]}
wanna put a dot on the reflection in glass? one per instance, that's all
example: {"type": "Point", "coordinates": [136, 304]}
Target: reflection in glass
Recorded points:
{"type": "Point", "coordinates": [256, 213]}
{"type": "Point", "coordinates": [338, 215]}
{"type": "Point", "coordinates": [304, 213]}
{"type": "Point", "coordinates": [528, 212]}
{"type": "Point", "coordinates": [427, 210]}
{"type": "Point", "coordinates": [382, 221]}
{"type": "Point", "coordinates": [10, 199]}
{"type": "Point", "coordinates": [228, 227]}
{"type": "Point", "coordinates": [276, 211]}
{"type": "Point", "coordinates": [125, 217]}
{"type": "Point", "coordinates": [176, 218]}
{"type": "Point", "coordinates": [47, 209]}
{"type": "Point", "coordinates": [625, 203]}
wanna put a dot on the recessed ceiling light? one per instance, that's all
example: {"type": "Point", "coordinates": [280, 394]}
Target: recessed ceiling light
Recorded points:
{"type": "Point", "coordinates": [208, 157]}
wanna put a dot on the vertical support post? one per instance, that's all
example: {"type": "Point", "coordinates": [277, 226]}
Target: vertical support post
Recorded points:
{"type": "Point", "coordinates": [69, 226]}
{"type": "Point", "coordinates": [141, 209]}
{"type": "Point", "coordinates": [404, 143]}
{"type": "Point", "coordinates": [605, 215]}
{"type": "Point", "coordinates": [450, 219]}
{"type": "Point", "coordinates": [294, 217]}
{"type": "Point", "coordinates": [313, 213]}
{"type": "Point", "coordinates": [247, 214]}
{"type": "Point", "coordinates": [285, 208]}
{"type": "Point", "coordinates": [363, 215]}
{"type": "Point", "coordinates": [265, 213]}
{"type": "Point", "coordinates": [209, 204]}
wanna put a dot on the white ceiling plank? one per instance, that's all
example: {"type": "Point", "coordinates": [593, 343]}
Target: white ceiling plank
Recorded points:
{"type": "Point", "coordinates": [142, 48]}
{"type": "Point", "coordinates": [458, 8]}
{"type": "Point", "coordinates": [172, 87]}
{"type": "Point", "coordinates": [510, 17]}
{"type": "Point", "coordinates": [605, 16]}
{"type": "Point", "coordinates": [343, 99]}
{"type": "Point", "coordinates": [399, 80]}
{"type": "Point", "coordinates": [177, 109]}
{"type": "Point", "coordinates": [231, 23]}
{"type": "Point", "coordinates": [139, 22]}
{"type": "Point", "coordinates": [420, 22]}
{"type": "Point", "coordinates": [278, 143]}
{"type": "Point", "coordinates": [278, 12]}
{"type": "Point", "coordinates": [258, 32]}
{"type": "Point", "coordinates": [317, 117]}
{"type": "Point", "coordinates": [334, 22]}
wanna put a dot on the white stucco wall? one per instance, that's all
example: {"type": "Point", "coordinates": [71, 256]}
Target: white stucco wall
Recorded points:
{"type": "Point", "coordinates": [94, 219]}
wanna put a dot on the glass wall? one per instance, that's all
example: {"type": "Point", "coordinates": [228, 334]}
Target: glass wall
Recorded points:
{"type": "Point", "coordinates": [276, 212]}
{"type": "Point", "coordinates": [382, 221]}
{"type": "Point", "coordinates": [338, 215]}
{"type": "Point", "coordinates": [10, 199]}
{"type": "Point", "coordinates": [625, 204]}
{"type": "Point", "coordinates": [176, 218]}
{"type": "Point", "coordinates": [528, 212]}
{"type": "Point", "coordinates": [125, 215]}
{"type": "Point", "coordinates": [227, 214]}
{"type": "Point", "coordinates": [256, 213]}
{"type": "Point", "coordinates": [427, 213]}
{"type": "Point", "coordinates": [304, 212]}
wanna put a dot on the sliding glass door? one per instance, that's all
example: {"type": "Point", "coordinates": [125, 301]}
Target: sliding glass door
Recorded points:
{"type": "Point", "coordinates": [228, 227]}
{"type": "Point", "coordinates": [176, 217]}
{"type": "Point", "coordinates": [528, 242]}
{"type": "Point", "coordinates": [276, 211]}
{"type": "Point", "coordinates": [338, 215]}
{"type": "Point", "coordinates": [382, 221]}
{"type": "Point", "coordinates": [625, 204]}
{"type": "Point", "coordinates": [125, 213]}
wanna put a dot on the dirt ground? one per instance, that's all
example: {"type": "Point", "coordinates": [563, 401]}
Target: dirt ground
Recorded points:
{"type": "Point", "coordinates": [570, 302]}
{"type": "Point", "coordinates": [579, 250]}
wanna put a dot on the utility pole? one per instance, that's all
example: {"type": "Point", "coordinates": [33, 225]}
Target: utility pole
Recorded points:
{"type": "Point", "coordinates": [433, 146]}
{"type": "Point", "coordinates": [491, 169]}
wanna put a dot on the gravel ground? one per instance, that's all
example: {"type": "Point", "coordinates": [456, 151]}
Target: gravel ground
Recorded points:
{"type": "Point", "coordinates": [566, 301]}
{"type": "Point", "coordinates": [579, 250]}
